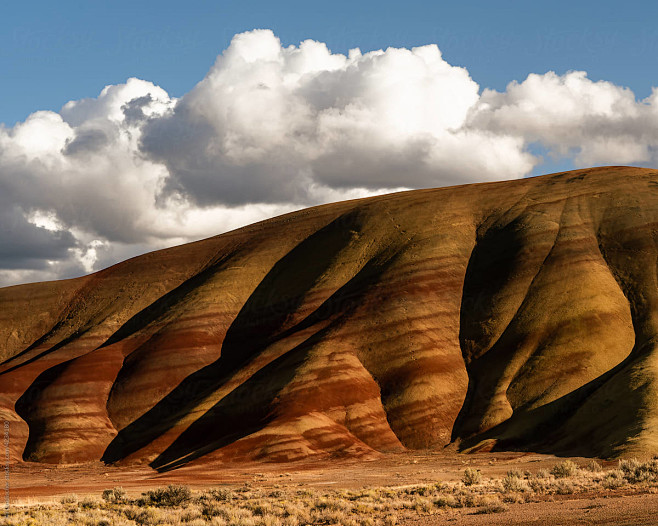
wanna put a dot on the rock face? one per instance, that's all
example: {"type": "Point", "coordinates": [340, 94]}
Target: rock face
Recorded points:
{"type": "Point", "coordinates": [519, 315]}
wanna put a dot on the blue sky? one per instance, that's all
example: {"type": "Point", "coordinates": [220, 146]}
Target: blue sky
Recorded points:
{"type": "Point", "coordinates": [188, 119]}
{"type": "Point", "coordinates": [53, 52]}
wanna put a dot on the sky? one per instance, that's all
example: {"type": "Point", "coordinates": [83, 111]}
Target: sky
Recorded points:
{"type": "Point", "coordinates": [132, 126]}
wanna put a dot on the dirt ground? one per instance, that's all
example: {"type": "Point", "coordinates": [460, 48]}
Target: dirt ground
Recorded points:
{"type": "Point", "coordinates": [577, 510]}
{"type": "Point", "coordinates": [34, 483]}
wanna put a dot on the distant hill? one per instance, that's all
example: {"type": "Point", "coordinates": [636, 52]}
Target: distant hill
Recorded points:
{"type": "Point", "coordinates": [513, 315]}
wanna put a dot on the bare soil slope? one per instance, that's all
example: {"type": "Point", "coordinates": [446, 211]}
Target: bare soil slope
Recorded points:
{"type": "Point", "coordinates": [514, 315]}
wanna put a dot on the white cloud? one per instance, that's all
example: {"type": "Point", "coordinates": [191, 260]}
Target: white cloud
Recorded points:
{"type": "Point", "coordinates": [88, 255]}
{"type": "Point", "coordinates": [573, 116]}
{"type": "Point", "coordinates": [273, 128]}
{"type": "Point", "coordinates": [274, 124]}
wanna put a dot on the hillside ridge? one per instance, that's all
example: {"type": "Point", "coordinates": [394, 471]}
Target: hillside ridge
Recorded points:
{"type": "Point", "coordinates": [511, 315]}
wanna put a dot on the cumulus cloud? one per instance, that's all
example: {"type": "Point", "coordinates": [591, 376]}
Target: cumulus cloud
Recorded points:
{"type": "Point", "coordinates": [270, 123]}
{"type": "Point", "coordinates": [572, 116]}
{"type": "Point", "coordinates": [273, 128]}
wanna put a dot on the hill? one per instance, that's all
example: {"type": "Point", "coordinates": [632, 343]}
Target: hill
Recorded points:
{"type": "Point", "coordinates": [516, 315]}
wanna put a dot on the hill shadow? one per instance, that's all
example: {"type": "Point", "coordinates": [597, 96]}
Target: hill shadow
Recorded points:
{"type": "Point", "coordinates": [258, 324]}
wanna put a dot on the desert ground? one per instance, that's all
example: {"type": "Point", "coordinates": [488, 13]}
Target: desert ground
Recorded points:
{"type": "Point", "coordinates": [414, 488]}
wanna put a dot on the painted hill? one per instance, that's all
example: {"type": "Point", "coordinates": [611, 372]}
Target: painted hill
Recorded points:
{"type": "Point", "coordinates": [519, 315]}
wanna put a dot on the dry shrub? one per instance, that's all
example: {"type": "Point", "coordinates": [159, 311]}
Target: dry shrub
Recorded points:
{"type": "Point", "coordinates": [447, 501]}
{"type": "Point", "coordinates": [422, 505]}
{"type": "Point", "coordinates": [88, 503]}
{"type": "Point", "coordinates": [513, 498]}
{"type": "Point", "coordinates": [564, 469]}
{"type": "Point", "coordinates": [613, 479]}
{"type": "Point", "coordinates": [221, 494]}
{"type": "Point", "coordinates": [191, 515]}
{"type": "Point", "coordinates": [419, 490]}
{"type": "Point", "coordinates": [563, 487]}
{"type": "Point", "coordinates": [169, 497]}
{"type": "Point", "coordinates": [471, 476]}
{"type": "Point", "coordinates": [114, 495]}
{"type": "Point", "coordinates": [635, 471]}
{"type": "Point", "coordinates": [490, 504]}
{"type": "Point", "coordinates": [69, 499]}
{"type": "Point", "coordinates": [514, 483]}
{"type": "Point", "coordinates": [210, 510]}
{"type": "Point", "coordinates": [539, 485]}
{"type": "Point", "coordinates": [470, 500]}
{"type": "Point", "coordinates": [593, 466]}
{"type": "Point", "coordinates": [143, 517]}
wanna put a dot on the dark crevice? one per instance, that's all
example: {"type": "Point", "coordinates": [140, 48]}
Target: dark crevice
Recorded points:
{"type": "Point", "coordinates": [72, 337]}
{"type": "Point", "coordinates": [28, 405]}
{"type": "Point", "coordinates": [166, 302]}
{"type": "Point", "coordinates": [541, 427]}
{"type": "Point", "coordinates": [494, 263]}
